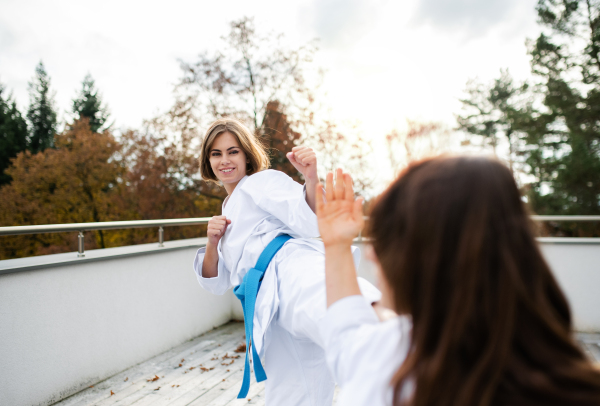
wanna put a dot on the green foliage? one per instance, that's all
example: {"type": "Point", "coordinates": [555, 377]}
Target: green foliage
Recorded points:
{"type": "Point", "coordinates": [495, 112]}
{"type": "Point", "coordinates": [88, 104]}
{"type": "Point", "coordinates": [560, 132]}
{"type": "Point", "coordinates": [41, 113]}
{"type": "Point", "coordinates": [13, 134]}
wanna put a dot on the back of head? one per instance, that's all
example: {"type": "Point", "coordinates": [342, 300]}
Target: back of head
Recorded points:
{"type": "Point", "coordinates": [490, 324]}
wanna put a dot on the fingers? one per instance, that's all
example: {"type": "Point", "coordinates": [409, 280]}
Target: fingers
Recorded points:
{"type": "Point", "coordinates": [306, 157]}
{"type": "Point", "coordinates": [217, 226]}
{"type": "Point", "coordinates": [348, 187]}
{"type": "Point", "coordinates": [339, 184]}
{"type": "Point", "coordinates": [357, 213]}
{"type": "Point", "coordinates": [319, 198]}
{"type": "Point", "coordinates": [329, 187]}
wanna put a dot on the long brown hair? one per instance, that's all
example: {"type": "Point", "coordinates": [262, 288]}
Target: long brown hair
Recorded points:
{"type": "Point", "coordinates": [490, 324]}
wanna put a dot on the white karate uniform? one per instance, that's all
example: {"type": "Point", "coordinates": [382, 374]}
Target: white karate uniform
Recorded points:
{"type": "Point", "coordinates": [291, 300]}
{"type": "Point", "coordinates": [363, 353]}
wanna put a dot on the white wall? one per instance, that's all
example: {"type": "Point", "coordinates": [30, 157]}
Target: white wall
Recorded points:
{"type": "Point", "coordinates": [575, 264]}
{"type": "Point", "coordinates": [75, 322]}
{"type": "Point", "coordinates": [577, 269]}
{"type": "Point", "coordinates": [67, 327]}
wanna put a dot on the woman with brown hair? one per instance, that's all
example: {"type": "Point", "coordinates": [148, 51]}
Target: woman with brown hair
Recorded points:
{"type": "Point", "coordinates": [482, 320]}
{"type": "Point", "coordinates": [262, 246]}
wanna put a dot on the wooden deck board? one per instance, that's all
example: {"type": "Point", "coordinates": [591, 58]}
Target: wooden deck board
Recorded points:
{"type": "Point", "coordinates": [182, 386]}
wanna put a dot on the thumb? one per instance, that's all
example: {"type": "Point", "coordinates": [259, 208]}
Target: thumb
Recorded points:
{"type": "Point", "coordinates": [228, 221]}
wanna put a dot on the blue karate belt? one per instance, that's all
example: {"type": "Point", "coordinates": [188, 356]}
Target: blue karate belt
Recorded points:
{"type": "Point", "coordinates": [247, 292]}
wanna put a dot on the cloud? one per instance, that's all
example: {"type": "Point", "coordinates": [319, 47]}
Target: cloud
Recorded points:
{"type": "Point", "coordinates": [340, 23]}
{"type": "Point", "coordinates": [469, 16]}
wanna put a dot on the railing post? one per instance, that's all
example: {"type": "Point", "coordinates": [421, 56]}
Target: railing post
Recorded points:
{"type": "Point", "coordinates": [161, 237]}
{"type": "Point", "coordinates": [80, 253]}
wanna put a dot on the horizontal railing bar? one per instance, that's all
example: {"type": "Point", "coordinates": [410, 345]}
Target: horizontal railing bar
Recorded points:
{"type": "Point", "coordinates": [565, 218]}
{"type": "Point", "coordinates": [116, 225]}
{"type": "Point", "coordinates": [107, 225]}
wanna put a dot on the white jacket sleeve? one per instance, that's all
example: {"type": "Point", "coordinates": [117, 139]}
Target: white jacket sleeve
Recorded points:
{"type": "Point", "coordinates": [220, 283]}
{"type": "Point", "coordinates": [281, 196]}
{"type": "Point", "coordinates": [341, 330]}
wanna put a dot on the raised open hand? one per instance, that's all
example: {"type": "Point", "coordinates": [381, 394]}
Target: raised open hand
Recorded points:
{"type": "Point", "coordinates": [340, 217]}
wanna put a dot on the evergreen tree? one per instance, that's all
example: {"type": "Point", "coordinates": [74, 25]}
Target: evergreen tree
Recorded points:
{"type": "Point", "coordinates": [41, 113]}
{"type": "Point", "coordinates": [89, 104]}
{"type": "Point", "coordinates": [562, 134]}
{"type": "Point", "coordinates": [566, 160]}
{"type": "Point", "coordinates": [13, 133]}
{"type": "Point", "coordinates": [495, 112]}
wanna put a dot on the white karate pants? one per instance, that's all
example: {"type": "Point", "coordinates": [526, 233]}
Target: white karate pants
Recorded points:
{"type": "Point", "coordinates": [294, 359]}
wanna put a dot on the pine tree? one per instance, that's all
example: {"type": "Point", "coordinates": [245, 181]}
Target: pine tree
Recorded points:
{"type": "Point", "coordinates": [13, 133]}
{"type": "Point", "coordinates": [561, 130]}
{"type": "Point", "coordinates": [566, 134]}
{"type": "Point", "coordinates": [41, 113]}
{"type": "Point", "coordinates": [88, 104]}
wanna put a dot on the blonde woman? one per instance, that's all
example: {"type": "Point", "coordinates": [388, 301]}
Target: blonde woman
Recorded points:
{"type": "Point", "coordinates": [263, 245]}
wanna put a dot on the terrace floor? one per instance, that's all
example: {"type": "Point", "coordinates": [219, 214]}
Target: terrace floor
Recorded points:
{"type": "Point", "coordinates": [202, 371]}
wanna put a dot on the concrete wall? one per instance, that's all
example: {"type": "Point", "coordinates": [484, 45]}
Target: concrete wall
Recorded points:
{"type": "Point", "coordinates": [67, 323]}
{"type": "Point", "coordinates": [575, 263]}
{"type": "Point", "coordinates": [69, 326]}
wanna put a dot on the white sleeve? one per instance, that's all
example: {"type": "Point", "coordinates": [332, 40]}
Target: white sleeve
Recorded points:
{"type": "Point", "coordinates": [278, 194]}
{"type": "Point", "coordinates": [220, 283]}
{"type": "Point", "coordinates": [341, 333]}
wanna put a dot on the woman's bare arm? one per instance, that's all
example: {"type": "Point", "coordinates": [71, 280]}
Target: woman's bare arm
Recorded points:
{"type": "Point", "coordinates": [216, 229]}
{"type": "Point", "coordinates": [340, 220]}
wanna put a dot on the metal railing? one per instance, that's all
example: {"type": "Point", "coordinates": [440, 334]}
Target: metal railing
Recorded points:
{"type": "Point", "coordinates": [535, 218]}
{"type": "Point", "coordinates": [116, 225]}
{"type": "Point", "coordinates": [108, 225]}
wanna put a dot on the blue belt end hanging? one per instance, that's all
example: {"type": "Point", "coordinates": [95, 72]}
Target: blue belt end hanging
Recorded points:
{"type": "Point", "coordinates": [247, 292]}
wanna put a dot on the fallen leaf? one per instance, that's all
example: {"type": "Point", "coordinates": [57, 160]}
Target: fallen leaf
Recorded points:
{"type": "Point", "coordinates": [180, 365]}
{"type": "Point", "coordinates": [223, 380]}
{"type": "Point", "coordinates": [227, 370]}
{"type": "Point", "coordinates": [182, 360]}
{"type": "Point", "coordinates": [178, 386]}
{"type": "Point", "coordinates": [91, 386]}
{"type": "Point", "coordinates": [185, 372]}
{"type": "Point", "coordinates": [172, 386]}
{"type": "Point", "coordinates": [126, 379]}
{"type": "Point", "coordinates": [157, 388]}
{"type": "Point", "coordinates": [228, 363]}
{"type": "Point", "coordinates": [204, 369]}
{"type": "Point", "coordinates": [211, 368]}
{"type": "Point", "coordinates": [156, 378]}
{"type": "Point", "coordinates": [240, 348]}
{"type": "Point", "coordinates": [191, 368]}
{"type": "Point", "coordinates": [111, 393]}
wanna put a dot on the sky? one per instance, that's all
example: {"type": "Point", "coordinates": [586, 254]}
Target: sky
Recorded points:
{"type": "Point", "coordinates": [385, 60]}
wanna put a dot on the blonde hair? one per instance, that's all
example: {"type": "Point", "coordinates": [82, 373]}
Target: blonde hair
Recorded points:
{"type": "Point", "coordinates": [254, 150]}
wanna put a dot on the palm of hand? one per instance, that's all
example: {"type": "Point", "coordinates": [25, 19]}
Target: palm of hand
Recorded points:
{"type": "Point", "coordinates": [338, 223]}
{"type": "Point", "coordinates": [340, 216]}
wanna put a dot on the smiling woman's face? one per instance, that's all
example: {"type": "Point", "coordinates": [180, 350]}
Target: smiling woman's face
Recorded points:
{"type": "Point", "coordinates": [228, 160]}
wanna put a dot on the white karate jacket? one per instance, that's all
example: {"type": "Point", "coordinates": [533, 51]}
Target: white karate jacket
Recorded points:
{"type": "Point", "coordinates": [363, 353]}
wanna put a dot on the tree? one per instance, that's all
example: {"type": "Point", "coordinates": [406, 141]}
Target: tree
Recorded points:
{"type": "Point", "coordinates": [560, 125]}
{"type": "Point", "coordinates": [75, 182]}
{"type": "Point", "coordinates": [88, 104]}
{"type": "Point", "coordinates": [260, 80]}
{"type": "Point", "coordinates": [279, 138]}
{"type": "Point", "coordinates": [41, 113]}
{"type": "Point", "coordinates": [566, 133]}
{"type": "Point", "coordinates": [13, 133]}
{"type": "Point", "coordinates": [495, 112]}
{"type": "Point", "coordinates": [418, 141]}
